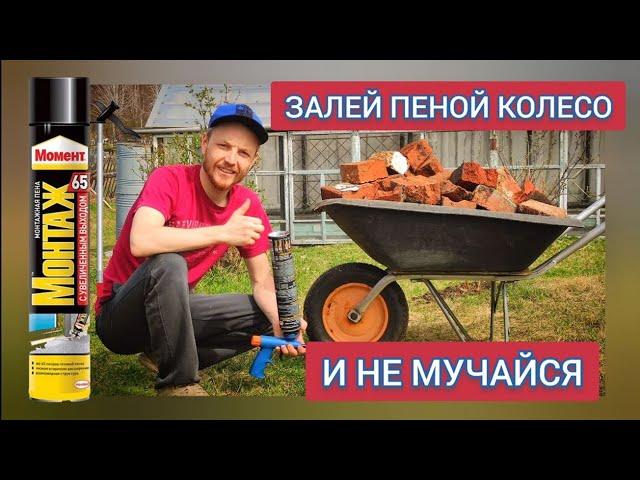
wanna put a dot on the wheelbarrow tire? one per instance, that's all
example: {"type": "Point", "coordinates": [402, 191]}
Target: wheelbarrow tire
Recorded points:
{"type": "Point", "coordinates": [385, 320]}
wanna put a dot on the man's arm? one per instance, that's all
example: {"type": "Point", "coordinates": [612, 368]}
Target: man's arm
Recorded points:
{"type": "Point", "coordinates": [149, 236]}
{"type": "Point", "coordinates": [264, 292]}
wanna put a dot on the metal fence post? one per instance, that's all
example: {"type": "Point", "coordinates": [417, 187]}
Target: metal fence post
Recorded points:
{"type": "Point", "coordinates": [355, 146]}
{"type": "Point", "coordinates": [288, 176]}
{"type": "Point", "coordinates": [598, 191]}
{"type": "Point", "coordinates": [563, 198]}
{"type": "Point", "coordinates": [100, 196]}
{"type": "Point", "coordinates": [323, 214]}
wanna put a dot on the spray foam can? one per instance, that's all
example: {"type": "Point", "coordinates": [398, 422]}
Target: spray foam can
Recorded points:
{"type": "Point", "coordinates": [284, 277]}
{"type": "Point", "coordinates": [59, 359]}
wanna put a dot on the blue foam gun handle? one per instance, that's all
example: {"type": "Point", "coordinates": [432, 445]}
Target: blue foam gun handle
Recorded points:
{"type": "Point", "coordinates": [267, 344]}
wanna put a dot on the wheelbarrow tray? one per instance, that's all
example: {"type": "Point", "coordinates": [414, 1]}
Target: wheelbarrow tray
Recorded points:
{"type": "Point", "coordinates": [409, 237]}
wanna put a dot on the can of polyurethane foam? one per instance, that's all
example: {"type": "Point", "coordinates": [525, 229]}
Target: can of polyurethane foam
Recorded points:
{"type": "Point", "coordinates": [284, 277]}
{"type": "Point", "coordinates": [59, 361]}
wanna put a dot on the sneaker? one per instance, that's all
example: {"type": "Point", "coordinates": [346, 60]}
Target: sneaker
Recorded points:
{"type": "Point", "coordinates": [191, 390]}
{"type": "Point", "coordinates": [148, 363]}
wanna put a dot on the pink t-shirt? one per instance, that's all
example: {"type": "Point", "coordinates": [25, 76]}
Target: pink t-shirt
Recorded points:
{"type": "Point", "coordinates": [176, 192]}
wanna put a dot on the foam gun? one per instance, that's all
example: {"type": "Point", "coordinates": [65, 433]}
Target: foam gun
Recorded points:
{"type": "Point", "coordinates": [287, 298]}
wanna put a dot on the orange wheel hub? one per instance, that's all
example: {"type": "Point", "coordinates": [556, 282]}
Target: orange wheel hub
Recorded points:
{"type": "Point", "coordinates": [341, 301]}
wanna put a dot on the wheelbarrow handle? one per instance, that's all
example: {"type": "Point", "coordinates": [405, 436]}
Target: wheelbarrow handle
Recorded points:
{"type": "Point", "coordinates": [594, 207]}
{"type": "Point", "coordinates": [584, 214]}
{"type": "Point", "coordinates": [571, 249]}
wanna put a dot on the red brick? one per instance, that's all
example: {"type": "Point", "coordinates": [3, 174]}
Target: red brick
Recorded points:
{"type": "Point", "coordinates": [530, 192]}
{"type": "Point", "coordinates": [391, 196]}
{"type": "Point", "coordinates": [491, 199]}
{"type": "Point", "coordinates": [394, 161]}
{"type": "Point", "coordinates": [492, 177]}
{"type": "Point", "coordinates": [461, 204]}
{"type": "Point", "coordinates": [469, 175]}
{"type": "Point", "coordinates": [536, 195]}
{"type": "Point", "coordinates": [421, 193]}
{"type": "Point", "coordinates": [422, 180]}
{"type": "Point", "coordinates": [439, 177]}
{"type": "Point", "coordinates": [528, 186]}
{"type": "Point", "coordinates": [366, 191]}
{"type": "Point", "coordinates": [363, 172]}
{"type": "Point", "coordinates": [507, 184]}
{"type": "Point", "coordinates": [455, 192]}
{"type": "Point", "coordinates": [533, 207]}
{"type": "Point", "coordinates": [432, 166]}
{"type": "Point", "coordinates": [421, 158]}
{"type": "Point", "coordinates": [328, 192]}
{"type": "Point", "coordinates": [402, 181]}
{"type": "Point", "coordinates": [386, 184]}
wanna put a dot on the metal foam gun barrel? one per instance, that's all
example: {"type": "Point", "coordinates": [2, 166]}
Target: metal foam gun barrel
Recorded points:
{"type": "Point", "coordinates": [285, 281]}
{"type": "Point", "coordinates": [287, 298]}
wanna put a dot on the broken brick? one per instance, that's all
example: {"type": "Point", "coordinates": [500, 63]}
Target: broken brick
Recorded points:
{"type": "Point", "coordinates": [492, 177]}
{"type": "Point", "coordinates": [530, 192]}
{"type": "Point", "coordinates": [439, 177]}
{"type": "Point", "coordinates": [421, 193]}
{"type": "Point", "coordinates": [327, 192]}
{"type": "Point", "coordinates": [533, 207]}
{"type": "Point", "coordinates": [391, 196]}
{"type": "Point", "coordinates": [386, 183]}
{"type": "Point", "coordinates": [469, 175]}
{"type": "Point", "coordinates": [395, 161]}
{"type": "Point", "coordinates": [507, 184]}
{"type": "Point", "coordinates": [402, 182]}
{"type": "Point", "coordinates": [536, 195]}
{"type": "Point", "coordinates": [422, 180]}
{"type": "Point", "coordinates": [528, 186]}
{"type": "Point", "coordinates": [455, 192]}
{"type": "Point", "coordinates": [421, 158]}
{"type": "Point", "coordinates": [432, 166]}
{"type": "Point", "coordinates": [492, 199]}
{"type": "Point", "coordinates": [446, 173]}
{"type": "Point", "coordinates": [365, 191]}
{"type": "Point", "coordinates": [461, 204]}
{"type": "Point", "coordinates": [363, 172]}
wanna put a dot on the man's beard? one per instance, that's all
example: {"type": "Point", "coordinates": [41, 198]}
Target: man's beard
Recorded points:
{"type": "Point", "coordinates": [210, 170]}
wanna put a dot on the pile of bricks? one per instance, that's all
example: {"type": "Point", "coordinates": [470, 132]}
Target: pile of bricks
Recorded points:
{"type": "Point", "coordinates": [415, 175]}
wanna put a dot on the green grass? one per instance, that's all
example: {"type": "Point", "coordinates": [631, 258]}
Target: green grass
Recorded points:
{"type": "Point", "coordinates": [565, 304]}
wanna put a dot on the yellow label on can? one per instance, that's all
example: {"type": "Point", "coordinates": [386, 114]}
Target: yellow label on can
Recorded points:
{"type": "Point", "coordinates": [56, 378]}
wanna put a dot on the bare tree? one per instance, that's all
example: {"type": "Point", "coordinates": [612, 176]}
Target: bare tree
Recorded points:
{"type": "Point", "coordinates": [135, 102]}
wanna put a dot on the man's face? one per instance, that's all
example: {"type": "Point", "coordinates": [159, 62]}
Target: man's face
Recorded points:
{"type": "Point", "coordinates": [229, 153]}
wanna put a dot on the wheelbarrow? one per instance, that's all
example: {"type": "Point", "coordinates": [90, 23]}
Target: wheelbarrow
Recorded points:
{"type": "Point", "coordinates": [359, 302]}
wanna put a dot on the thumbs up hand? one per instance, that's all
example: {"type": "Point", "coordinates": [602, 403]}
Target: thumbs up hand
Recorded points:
{"type": "Point", "coordinates": [241, 230]}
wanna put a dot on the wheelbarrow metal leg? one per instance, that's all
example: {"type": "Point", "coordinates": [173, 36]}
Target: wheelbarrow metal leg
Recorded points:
{"type": "Point", "coordinates": [505, 306]}
{"type": "Point", "coordinates": [493, 305]}
{"type": "Point", "coordinates": [450, 316]}
{"type": "Point", "coordinates": [355, 315]}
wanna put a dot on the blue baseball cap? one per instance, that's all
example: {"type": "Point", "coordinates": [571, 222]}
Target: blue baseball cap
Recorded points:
{"type": "Point", "coordinates": [241, 113]}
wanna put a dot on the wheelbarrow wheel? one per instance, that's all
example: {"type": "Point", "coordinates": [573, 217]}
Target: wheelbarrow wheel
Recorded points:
{"type": "Point", "coordinates": [339, 290]}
